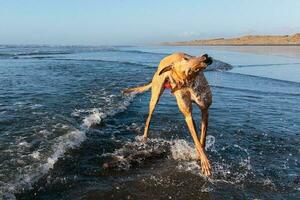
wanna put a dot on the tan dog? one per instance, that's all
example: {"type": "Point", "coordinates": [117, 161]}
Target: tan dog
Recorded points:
{"type": "Point", "coordinates": [183, 74]}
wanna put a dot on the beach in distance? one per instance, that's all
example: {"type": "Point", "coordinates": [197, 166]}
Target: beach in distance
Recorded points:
{"type": "Point", "coordinates": [247, 40]}
{"type": "Point", "coordinates": [63, 116]}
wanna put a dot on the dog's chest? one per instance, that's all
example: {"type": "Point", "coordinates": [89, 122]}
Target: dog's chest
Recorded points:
{"type": "Point", "coordinates": [200, 89]}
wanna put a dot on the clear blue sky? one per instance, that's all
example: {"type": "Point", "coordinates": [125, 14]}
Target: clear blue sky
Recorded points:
{"type": "Point", "coordinates": [113, 22]}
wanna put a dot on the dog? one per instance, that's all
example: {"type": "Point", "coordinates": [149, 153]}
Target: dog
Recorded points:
{"type": "Point", "coordinates": [183, 74]}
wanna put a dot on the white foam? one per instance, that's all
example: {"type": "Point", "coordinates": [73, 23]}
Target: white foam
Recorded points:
{"type": "Point", "coordinates": [191, 166]}
{"type": "Point", "coordinates": [137, 151]}
{"type": "Point", "coordinates": [25, 144]}
{"type": "Point", "coordinates": [35, 155]}
{"type": "Point", "coordinates": [33, 172]}
{"type": "Point", "coordinates": [77, 112]}
{"type": "Point", "coordinates": [64, 142]}
{"type": "Point", "coordinates": [61, 144]}
{"type": "Point", "coordinates": [34, 106]}
{"type": "Point", "coordinates": [94, 118]}
{"type": "Point", "coordinates": [45, 132]}
{"type": "Point", "coordinates": [96, 115]}
{"type": "Point", "coordinates": [182, 150]}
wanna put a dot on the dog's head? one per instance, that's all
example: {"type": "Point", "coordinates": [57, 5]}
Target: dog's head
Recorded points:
{"type": "Point", "coordinates": [199, 63]}
{"type": "Point", "coordinates": [190, 64]}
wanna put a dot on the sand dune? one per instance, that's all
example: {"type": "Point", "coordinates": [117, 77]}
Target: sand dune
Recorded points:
{"type": "Point", "coordinates": [244, 40]}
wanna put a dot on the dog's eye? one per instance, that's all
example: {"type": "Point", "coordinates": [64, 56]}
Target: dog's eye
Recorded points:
{"type": "Point", "coordinates": [185, 58]}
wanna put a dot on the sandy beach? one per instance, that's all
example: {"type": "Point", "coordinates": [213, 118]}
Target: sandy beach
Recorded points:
{"type": "Point", "coordinates": [247, 40]}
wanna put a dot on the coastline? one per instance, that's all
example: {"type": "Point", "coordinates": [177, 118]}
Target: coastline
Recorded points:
{"type": "Point", "coordinates": [292, 51]}
{"type": "Point", "coordinates": [279, 45]}
{"type": "Point", "coordinates": [221, 45]}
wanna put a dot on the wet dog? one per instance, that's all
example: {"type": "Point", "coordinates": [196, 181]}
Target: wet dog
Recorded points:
{"type": "Point", "coordinates": [183, 74]}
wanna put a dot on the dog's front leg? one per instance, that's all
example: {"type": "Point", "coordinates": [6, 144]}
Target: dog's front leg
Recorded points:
{"type": "Point", "coordinates": [185, 106]}
{"type": "Point", "coordinates": [204, 124]}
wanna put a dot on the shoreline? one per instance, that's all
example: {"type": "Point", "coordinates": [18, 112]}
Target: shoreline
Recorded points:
{"type": "Point", "coordinates": [247, 40]}
{"type": "Point", "coordinates": [229, 45]}
{"type": "Point", "coordinates": [291, 51]}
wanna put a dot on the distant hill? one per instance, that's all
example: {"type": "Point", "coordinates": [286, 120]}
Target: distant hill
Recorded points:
{"type": "Point", "coordinates": [244, 40]}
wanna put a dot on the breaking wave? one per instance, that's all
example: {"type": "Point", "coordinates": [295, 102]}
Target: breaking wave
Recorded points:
{"type": "Point", "coordinates": [39, 163]}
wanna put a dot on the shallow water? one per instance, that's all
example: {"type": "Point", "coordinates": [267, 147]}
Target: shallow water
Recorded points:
{"type": "Point", "coordinates": [62, 117]}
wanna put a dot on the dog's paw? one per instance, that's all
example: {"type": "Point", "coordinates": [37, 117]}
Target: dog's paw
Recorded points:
{"type": "Point", "coordinates": [144, 140]}
{"type": "Point", "coordinates": [205, 168]}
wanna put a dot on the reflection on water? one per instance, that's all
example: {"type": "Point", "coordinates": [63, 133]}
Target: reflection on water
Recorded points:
{"type": "Point", "coordinates": [287, 72]}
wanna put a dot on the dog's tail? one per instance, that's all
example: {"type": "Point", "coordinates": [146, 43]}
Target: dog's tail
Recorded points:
{"type": "Point", "coordinates": [138, 89]}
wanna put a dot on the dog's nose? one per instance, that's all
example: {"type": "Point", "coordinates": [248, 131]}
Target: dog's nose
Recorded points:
{"type": "Point", "coordinates": [205, 55]}
{"type": "Point", "coordinates": [208, 60]}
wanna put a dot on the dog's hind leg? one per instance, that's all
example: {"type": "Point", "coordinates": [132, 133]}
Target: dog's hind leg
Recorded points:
{"type": "Point", "coordinates": [185, 106]}
{"type": "Point", "coordinates": [156, 91]}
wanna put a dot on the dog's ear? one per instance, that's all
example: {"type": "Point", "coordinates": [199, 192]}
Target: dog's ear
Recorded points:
{"type": "Point", "coordinates": [165, 69]}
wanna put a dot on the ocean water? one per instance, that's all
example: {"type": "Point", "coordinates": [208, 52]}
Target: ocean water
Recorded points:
{"type": "Point", "coordinates": [62, 117]}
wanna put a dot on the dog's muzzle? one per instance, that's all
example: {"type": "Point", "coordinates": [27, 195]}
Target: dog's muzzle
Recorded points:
{"type": "Point", "coordinates": [208, 61]}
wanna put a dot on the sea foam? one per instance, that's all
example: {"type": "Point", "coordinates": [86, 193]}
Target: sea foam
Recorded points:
{"type": "Point", "coordinates": [72, 139]}
{"type": "Point", "coordinates": [184, 153]}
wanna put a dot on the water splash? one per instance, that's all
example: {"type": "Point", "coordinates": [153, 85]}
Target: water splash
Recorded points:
{"type": "Point", "coordinates": [183, 152]}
